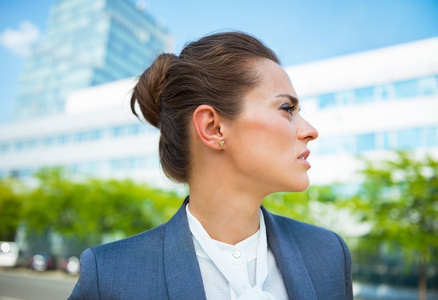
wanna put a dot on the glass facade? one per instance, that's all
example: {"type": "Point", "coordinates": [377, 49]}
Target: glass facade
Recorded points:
{"type": "Point", "coordinates": [87, 43]}
{"type": "Point", "coordinates": [142, 163]}
{"type": "Point", "coordinates": [85, 138]}
{"type": "Point", "coordinates": [403, 139]}
{"type": "Point", "coordinates": [416, 87]}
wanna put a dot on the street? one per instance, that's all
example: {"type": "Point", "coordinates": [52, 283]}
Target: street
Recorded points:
{"type": "Point", "coordinates": [32, 286]}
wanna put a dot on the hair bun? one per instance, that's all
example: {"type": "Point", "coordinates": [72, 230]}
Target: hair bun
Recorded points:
{"type": "Point", "coordinates": [148, 90]}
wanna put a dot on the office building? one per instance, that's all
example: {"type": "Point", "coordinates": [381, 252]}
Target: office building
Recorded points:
{"type": "Point", "coordinates": [363, 105]}
{"type": "Point", "coordinates": [87, 43]}
{"type": "Point", "coordinates": [366, 105]}
{"type": "Point", "coordinates": [96, 135]}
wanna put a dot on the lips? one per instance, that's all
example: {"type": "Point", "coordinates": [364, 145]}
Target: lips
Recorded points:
{"type": "Point", "coordinates": [303, 157]}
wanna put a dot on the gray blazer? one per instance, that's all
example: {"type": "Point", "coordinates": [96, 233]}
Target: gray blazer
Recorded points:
{"type": "Point", "coordinates": [161, 263]}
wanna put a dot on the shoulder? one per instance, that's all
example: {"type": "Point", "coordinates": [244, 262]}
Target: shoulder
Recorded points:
{"type": "Point", "coordinates": [148, 241]}
{"type": "Point", "coordinates": [310, 238]}
{"type": "Point", "coordinates": [317, 246]}
{"type": "Point", "coordinates": [127, 255]}
{"type": "Point", "coordinates": [104, 268]}
{"type": "Point", "coordinates": [304, 232]}
{"type": "Point", "coordinates": [324, 253]}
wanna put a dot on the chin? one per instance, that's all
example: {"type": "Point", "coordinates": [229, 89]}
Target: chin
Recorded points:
{"type": "Point", "coordinates": [294, 189]}
{"type": "Point", "coordinates": [300, 186]}
{"type": "Point", "coordinates": [301, 189]}
{"type": "Point", "coordinates": [295, 185]}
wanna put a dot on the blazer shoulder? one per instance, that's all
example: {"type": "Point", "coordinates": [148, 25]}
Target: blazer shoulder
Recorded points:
{"type": "Point", "coordinates": [304, 230]}
{"type": "Point", "coordinates": [104, 268]}
{"type": "Point", "coordinates": [311, 237]}
{"type": "Point", "coordinates": [87, 284]}
{"type": "Point", "coordinates": [147, 240]}
{"type": "Point", "coordinates": [324, 252]}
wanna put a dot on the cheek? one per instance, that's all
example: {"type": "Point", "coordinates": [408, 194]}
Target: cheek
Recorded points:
{"type": "Point", "coordinates": [273, 131]}
{"type": "Point", "coordinates": [266, 135]}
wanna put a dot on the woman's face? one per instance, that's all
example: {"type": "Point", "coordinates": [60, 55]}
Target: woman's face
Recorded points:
{"type": "Point", "coordinates": [268, 141]}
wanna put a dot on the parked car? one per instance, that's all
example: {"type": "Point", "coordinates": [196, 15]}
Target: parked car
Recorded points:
{"type": "Point", "coordinates": [70, 265]}
{"type": "Point", "coordinates": [42, 262]}
{"type": "Point", "coordinates": [9, 253]}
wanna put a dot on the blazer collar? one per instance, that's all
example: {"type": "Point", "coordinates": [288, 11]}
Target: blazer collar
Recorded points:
{"type": "Point", "coordinates": [183, 275]}
{"type": "Point", "coordinates": [289, 260]}
{"type": "Point", "coordinates": [181, 268]}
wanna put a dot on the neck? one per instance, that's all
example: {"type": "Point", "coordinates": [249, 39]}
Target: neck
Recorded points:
{"type": "Point", "coordinates": [228, 212]}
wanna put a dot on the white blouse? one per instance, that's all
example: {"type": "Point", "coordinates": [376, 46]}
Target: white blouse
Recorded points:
{"type": "Point", "coordinates": [247, 270]}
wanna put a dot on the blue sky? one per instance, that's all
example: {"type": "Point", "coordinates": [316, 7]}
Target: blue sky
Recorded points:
{"type": "Point", "coordinates": [298, 31]}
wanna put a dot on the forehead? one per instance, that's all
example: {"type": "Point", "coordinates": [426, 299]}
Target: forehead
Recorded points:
{"type": "Point", "coordinates": [274, 83]}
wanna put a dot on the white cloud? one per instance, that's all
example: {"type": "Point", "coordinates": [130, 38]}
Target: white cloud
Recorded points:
{"type": "Point", "coordinates": [19, 40]}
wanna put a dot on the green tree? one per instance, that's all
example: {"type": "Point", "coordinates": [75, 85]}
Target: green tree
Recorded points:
{"type": "Point", "coordinates": [399, 198]}
{"type": "Point", "coordinates": [11, 202]}
{"type": "Point", "coordinates": [125, 207]}
{"type": "Point", "coordinates": [310, 206]}
{"type": "Point", "coordinates": [88, 210]}
{"type": "Point", "coordinates": [49, 204]}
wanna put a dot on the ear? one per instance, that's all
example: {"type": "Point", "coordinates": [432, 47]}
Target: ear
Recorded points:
{"type": "Point", "coordinates": [207, 125]}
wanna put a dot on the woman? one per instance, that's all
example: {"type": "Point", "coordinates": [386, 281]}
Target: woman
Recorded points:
{"type": "Point", "coordinates": [231, 129]}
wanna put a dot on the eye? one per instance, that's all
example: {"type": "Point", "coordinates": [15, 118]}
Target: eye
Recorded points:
{"type": "Point", "coordinates": [288, 108]}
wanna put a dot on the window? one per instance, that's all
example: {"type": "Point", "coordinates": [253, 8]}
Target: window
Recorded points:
{"type": "Point", "coordinates": [48, 141]}
{"type": "Point", "coordinates": [432, 136]}
{"type": "Point", "coordinates": [365, 142]}
{"type": "Point", "coordinates": [428, 85]}
{"type": "Point", "coordinates": [345, 98]}
{"type": "Point", "coordinates": [153, 162]}
{"type": "Point", "coordinates": [386, 141]}
{"type": "Point", "coordinates": [87, 168]}
{"type": "Point", "coordinates": [20, 145]}
{"type": "Point", "coordinates": [85, 136]}
{"type": "Point", "coordinates": [116, 164]}
{"type": "Point", "coordinates": [328, 145]}
{"type": "Point", "coordinates": [95, 134]}
{"type": "Point", "coordinates": [364, 95]}
{"type": "Point", "coordinates": [25, 173]}
{"type": "Point", "coordinates": [406, 89]}
{"type": "Point", "coordinates": [141, 163]}
{"type": "Point", "coordinates": [130, 163]}
{"type": "Point", "coordinates": [348, 144]}
{"type": "Point", "coordinates": [62, 139]}
{"type": "Point", "coordinates": [21, 173]}
{"type": "Point", "coordinates": [385, 92]}
{"type": "Point", "coordinates": [31, 144]}
{"type": "Point", "coordinates": [327, 100]}
{"type": "Point", "coordinates": [117, 131]}
{"type": "Point", "coordinates": [408, 139]}
{"type": "Point", "coordinates": [126, 130]}
{"type": "Point", "coordinates": [4, 147]}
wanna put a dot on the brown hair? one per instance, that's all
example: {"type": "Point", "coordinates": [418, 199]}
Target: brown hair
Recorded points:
{"type": "Point", "coordinates": [216, 70]}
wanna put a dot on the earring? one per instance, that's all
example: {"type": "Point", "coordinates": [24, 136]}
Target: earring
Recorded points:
{"type": "Point", "coordinates": [221, 143]}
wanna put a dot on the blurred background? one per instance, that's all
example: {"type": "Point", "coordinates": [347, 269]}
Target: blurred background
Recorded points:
{"type": "Point", "coordinates": [78, 169]}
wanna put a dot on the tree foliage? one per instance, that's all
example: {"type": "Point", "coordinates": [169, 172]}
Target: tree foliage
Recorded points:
{"type": "Point", "coordinates": [11, 202]}
{"type": "Point", "coordinates": [85, 212]}
{"type": "Point", "coordinates": [95, 207]}
{"type": "Point", "coordinates": [310, 206]}
{"type": "Point", "coordinates": [399, 198]}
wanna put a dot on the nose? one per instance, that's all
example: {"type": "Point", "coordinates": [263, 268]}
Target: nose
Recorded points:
{"type": "Point", "coordinates": [307, 132]}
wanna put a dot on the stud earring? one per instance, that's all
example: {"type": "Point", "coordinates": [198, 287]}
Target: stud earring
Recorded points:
{"type": "Point", "coordinates": [221, 143]}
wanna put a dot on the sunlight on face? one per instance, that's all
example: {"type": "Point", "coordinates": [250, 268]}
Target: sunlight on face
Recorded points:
{"type": "Point", "coordinates": [269, 140]}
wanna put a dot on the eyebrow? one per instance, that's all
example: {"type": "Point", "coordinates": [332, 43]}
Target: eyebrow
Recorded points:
{"type": "Point", "coordinates": [292, 99]}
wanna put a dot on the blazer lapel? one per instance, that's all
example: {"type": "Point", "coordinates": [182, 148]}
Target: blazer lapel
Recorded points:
{"type": "Point", "coordinates": [182, 272]}
{"type": "Point", "coordinates": [289, 260]}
